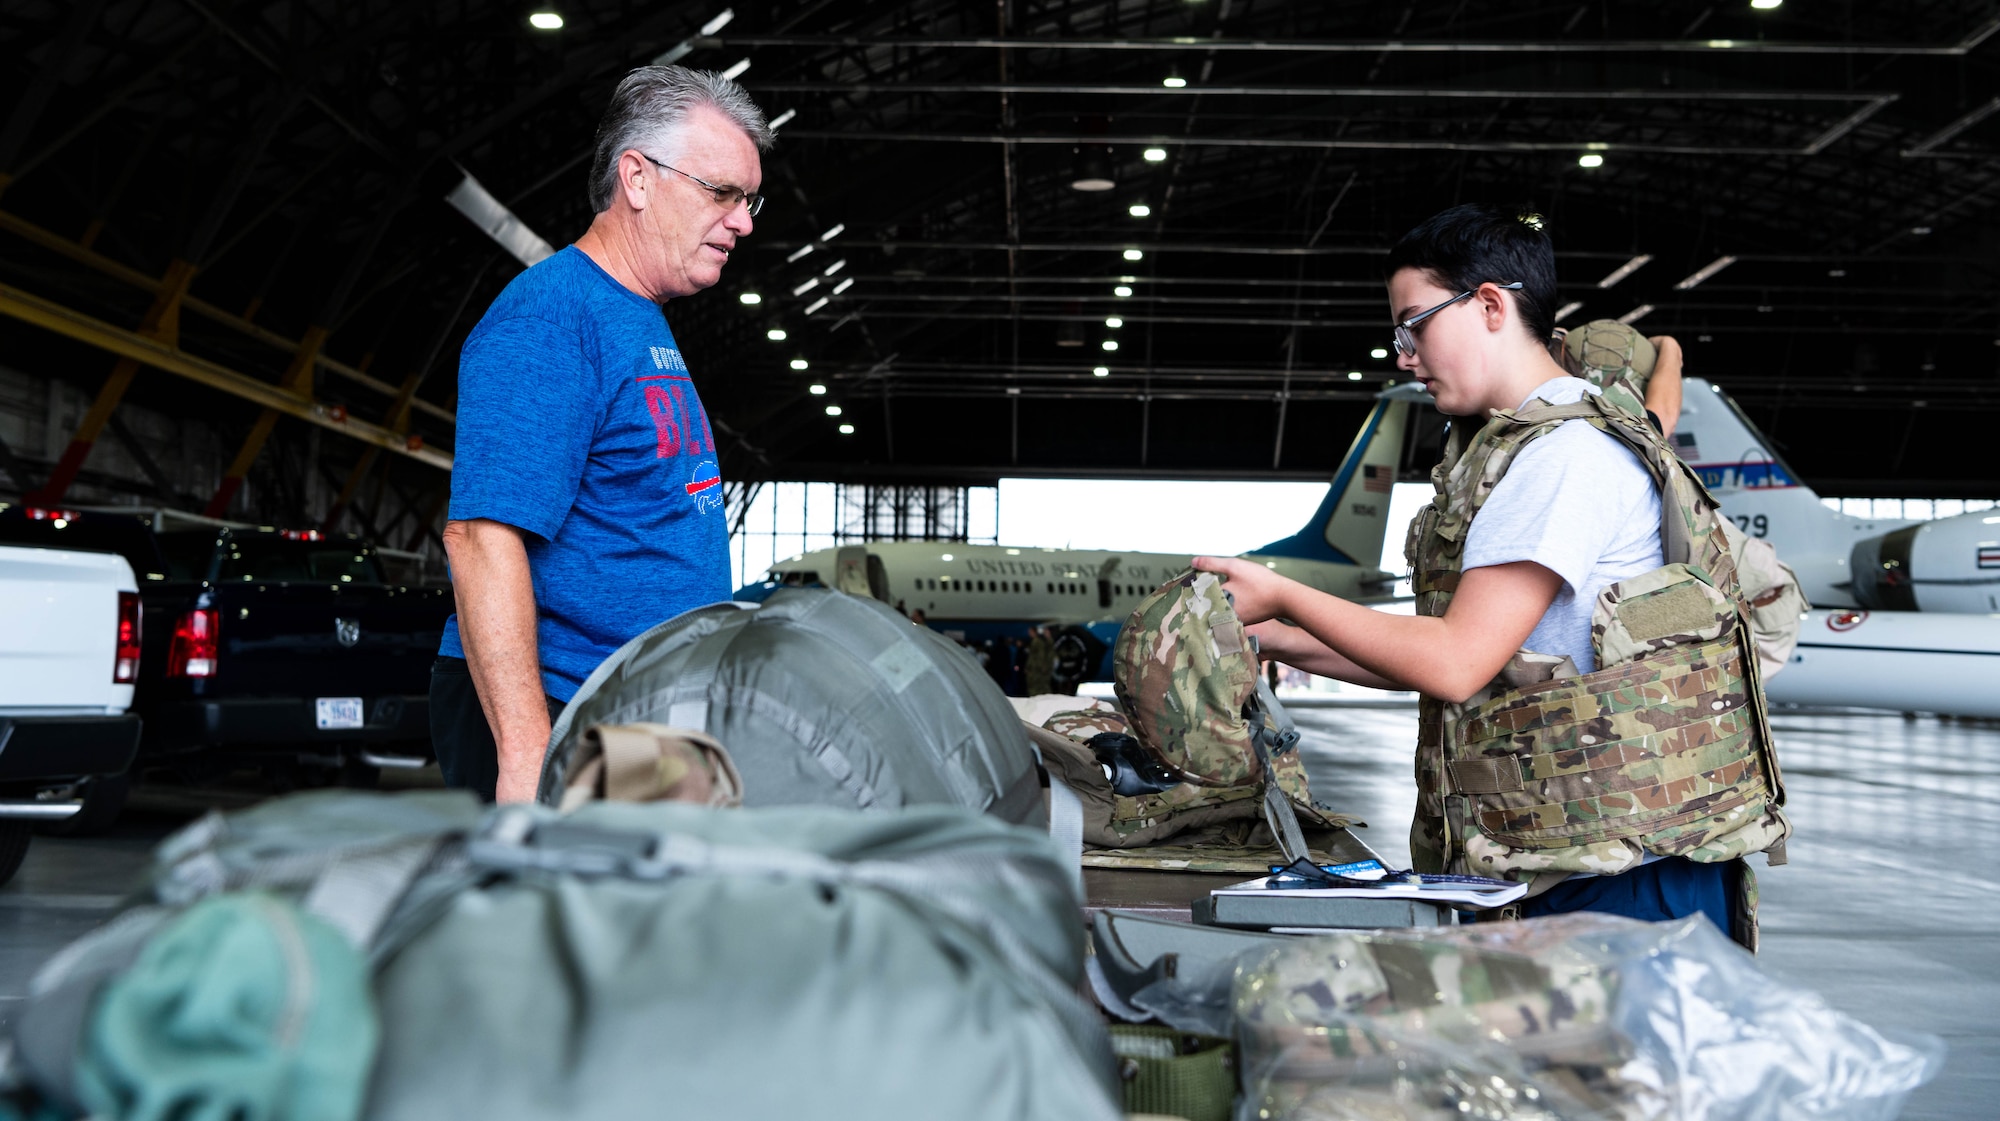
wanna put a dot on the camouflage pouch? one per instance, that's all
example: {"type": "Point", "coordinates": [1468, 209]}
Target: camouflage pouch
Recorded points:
{"type": "Point", "coordinates": [1668, 607]}
{"type": "Point", "coordinates": [1614, 357]}
{"type": "Point", "coordinates": [651, 763]}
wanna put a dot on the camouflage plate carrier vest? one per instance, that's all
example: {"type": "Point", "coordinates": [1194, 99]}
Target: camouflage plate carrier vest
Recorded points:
{"type": "Point", "coordinates": [1664, 749]}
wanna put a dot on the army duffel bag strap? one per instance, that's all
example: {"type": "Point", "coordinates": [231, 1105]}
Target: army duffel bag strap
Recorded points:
{"type": "Point", "coordinates": [652, 763]}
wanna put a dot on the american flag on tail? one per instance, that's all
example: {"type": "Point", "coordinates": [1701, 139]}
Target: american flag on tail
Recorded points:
{"type": "Point", "coordinates": [1377, 479]}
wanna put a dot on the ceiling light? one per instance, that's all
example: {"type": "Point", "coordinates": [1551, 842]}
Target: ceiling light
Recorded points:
{"type": "Point", "coordinates": [1100, 371]}
{"type": "Point", "coordinates": [1354, 375]}
{"type": "Point", "coordinates": [1128, 280]}
{"type": "Point", "coordinates": [1156, 155]}
{"type": "Point", "coordinates": [1174, 83]}
{"type": "Point", "coordinates": [1111, 344]}
{"type": "Point", "coordinates": [838, 229]}
{"type": "Point", "coordinates": [843, 286]}
{"type": "Point", "coordinates": [1568, 309]}
{"type": "Point", "coordinates": [545, 21]}
{"type": "Point", "coordinates": [1134, 255]}
{"type": "Point", "coordinates": [811, 283]}
{"type": "Point", "coordinates": [1378, 352]}
{"type": "Point", "coordinates": [1590, 159]}
{"type": "Point", "coordinates": [1836, 273]}
{"type": "Point", "coordinates": [1765, 5]}
{"type": "Point", "coordinates": [1636, 314]}
{"type": "Point", "coordinates": [1122, 291]}
{"type": "Point", "coordinates": [751, 298]}
{"type": "Point", "coordinates": [816, 389]}
{"type": "Point", "coordinates": [775, 334]}
{"type": "Point", "coordinates": [1704, 272]}
{"type": "Point", "coordinates": [833, 410]}
{"type": "Point", "coordinates": [1921, 231]}
{"type": "Point", "coordinates": [1140, 210]}
{"type": "Point", "coordinates": [1625, 270]}
{"type": "Point", "coordinates": [1114, 322]}
{"type": "Point", "coordinates": [798, 363]}
{"type": "Point", "coordinates": [835, 267]}
{"type": "Point", "coordinates": [816, 305]}
{"type": "Point", "coordinates": [847, 430]}
{"type": "Point", "coordinates": [782, 119]}
{"type": "Point", "coordinates": [800, 252]}
{"type": "Point", "coordinates": [1093, 170]}
{"type": "Point", "coordinates": [736, 71]}
{"type": "Point", "coordinates": [719, 22]}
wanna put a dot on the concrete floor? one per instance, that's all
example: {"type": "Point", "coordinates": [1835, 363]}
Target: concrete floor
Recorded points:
{"type": "Point", "coordinates": [1889, 907]}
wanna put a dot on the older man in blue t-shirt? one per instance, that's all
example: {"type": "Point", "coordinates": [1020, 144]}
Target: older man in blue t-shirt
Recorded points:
{"type": "Point", "coordinates": [586, 500]}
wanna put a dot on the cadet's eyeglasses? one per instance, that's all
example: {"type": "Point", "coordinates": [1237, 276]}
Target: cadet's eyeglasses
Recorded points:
{"type": "Point", "coordinates": [726, 197]}
{"type": "Point", "coordinates": [1406, 337]}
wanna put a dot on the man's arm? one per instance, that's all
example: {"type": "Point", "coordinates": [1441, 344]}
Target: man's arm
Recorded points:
{"type": "Point", "coordinates": [1663, 390]}
{"type": "Point", "coordinates": [496, 625]}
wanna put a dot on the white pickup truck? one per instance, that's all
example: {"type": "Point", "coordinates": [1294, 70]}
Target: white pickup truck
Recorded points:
{"type": "Point", "coordinates": [69, 656]}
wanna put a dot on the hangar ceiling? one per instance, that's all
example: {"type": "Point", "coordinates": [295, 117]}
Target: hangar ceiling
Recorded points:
{"type": "Point", "coordinates": [929, 260]}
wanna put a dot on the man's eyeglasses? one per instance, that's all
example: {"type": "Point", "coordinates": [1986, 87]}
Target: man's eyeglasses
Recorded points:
{"type": "Point", "coordinates": [1406, 336]}
{"type": "Point", "coordinates": [726, 197]}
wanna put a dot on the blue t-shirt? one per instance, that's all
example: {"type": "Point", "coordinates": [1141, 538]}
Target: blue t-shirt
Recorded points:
{"type": "Point", "coordinates": [577, 422]}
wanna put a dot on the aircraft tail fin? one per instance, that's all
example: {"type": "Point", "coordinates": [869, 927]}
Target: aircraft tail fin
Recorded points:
{"type": "Point", "coordinates": [1349, 526]}
{"type": "Point", "coordinates": [1726, 449]}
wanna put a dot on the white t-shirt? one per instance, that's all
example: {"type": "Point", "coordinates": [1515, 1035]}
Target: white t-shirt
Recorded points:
{"type": "Point", "coordinates": [1579, 503]}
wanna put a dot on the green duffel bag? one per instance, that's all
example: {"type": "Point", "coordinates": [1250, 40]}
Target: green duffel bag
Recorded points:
{"type": "Point", "coordinates": [823, 699]}
{"type": "Point", "coordinates": [624, 961]}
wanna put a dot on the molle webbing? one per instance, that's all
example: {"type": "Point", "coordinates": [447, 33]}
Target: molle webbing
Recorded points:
{"type": "Point", "coordinates": [1542, 769]}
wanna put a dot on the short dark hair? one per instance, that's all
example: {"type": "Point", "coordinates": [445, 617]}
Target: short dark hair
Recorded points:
{"type": "Point", "coordinates": [1478, 242]}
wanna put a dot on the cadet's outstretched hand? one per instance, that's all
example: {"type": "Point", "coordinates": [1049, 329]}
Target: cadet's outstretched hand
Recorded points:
{"type": "Point", "coordinates": [1258, 592]}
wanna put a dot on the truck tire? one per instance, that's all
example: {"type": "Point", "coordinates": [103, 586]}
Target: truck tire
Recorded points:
{"type": "Point", "coordinates": [103, 800]}
{"type": "Point", "coordinates": [14, 838]}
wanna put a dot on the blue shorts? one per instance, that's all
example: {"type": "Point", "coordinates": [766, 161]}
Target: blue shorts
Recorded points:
{"type": "Point", "coordinates": [1673, 888]}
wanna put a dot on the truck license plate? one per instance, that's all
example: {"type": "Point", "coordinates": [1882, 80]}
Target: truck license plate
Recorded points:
{"type": "Point", "coordinates": [338, 712]}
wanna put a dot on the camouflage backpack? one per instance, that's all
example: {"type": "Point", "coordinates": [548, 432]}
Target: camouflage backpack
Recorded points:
{"type": "Point", "coordinates": [1207, 741]}
{"type": "Point", "coordinates": [1664, 749]}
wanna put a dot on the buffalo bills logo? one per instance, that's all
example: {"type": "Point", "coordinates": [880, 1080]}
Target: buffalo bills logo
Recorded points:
{"type": "Point", "coordinates": [706, 487]}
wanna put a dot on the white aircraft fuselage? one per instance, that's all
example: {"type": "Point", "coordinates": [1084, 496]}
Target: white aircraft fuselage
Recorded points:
{"type": "Point", "coordinates": [1950, 565]}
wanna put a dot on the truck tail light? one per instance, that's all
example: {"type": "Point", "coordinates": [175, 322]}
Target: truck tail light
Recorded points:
{"type": "Point", "coordinates": [125, 670]}
{"type": "Point", "coordinates": [193, 650]}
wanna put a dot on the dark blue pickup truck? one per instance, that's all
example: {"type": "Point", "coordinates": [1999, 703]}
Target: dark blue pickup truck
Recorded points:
{"type": "Point", "coordinates": [285, 645]}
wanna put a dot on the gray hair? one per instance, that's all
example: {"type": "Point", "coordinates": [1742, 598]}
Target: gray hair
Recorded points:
{"type": "Point", "coordinates": [648, 110]}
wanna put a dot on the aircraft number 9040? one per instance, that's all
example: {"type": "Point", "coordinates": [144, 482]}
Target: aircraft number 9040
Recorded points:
{"type": "Point", "coordinates": [1758, 526]}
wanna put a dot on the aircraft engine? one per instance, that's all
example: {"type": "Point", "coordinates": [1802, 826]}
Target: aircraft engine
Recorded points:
{"type": "Point", "coordinates": [1948, 565]}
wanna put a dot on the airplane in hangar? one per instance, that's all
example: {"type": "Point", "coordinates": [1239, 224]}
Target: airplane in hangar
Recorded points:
{"type": "Point", "coordinates": [1906, 614]}
{"type": "Point", "coordinates": [981, 592]}
{"type": "Point", "coordinates": [1882, 564]}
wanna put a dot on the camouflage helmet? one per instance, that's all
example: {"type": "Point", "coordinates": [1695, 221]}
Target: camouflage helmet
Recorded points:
{"type": "Point", "coordinates": [1610, 346]}
{"type": "Point", "coordinates": [1185, 674]}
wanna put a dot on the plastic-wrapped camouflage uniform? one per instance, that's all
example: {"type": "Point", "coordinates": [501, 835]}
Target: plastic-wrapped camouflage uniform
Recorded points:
{"type": "Point", "coordinates": [1665, 748]}
{"type": "Point", "coordinates": [1579, 1017]}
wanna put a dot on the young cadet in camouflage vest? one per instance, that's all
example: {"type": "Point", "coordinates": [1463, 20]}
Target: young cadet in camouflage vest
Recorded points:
{"type": "Point", "coordinates": [1592, 711]}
